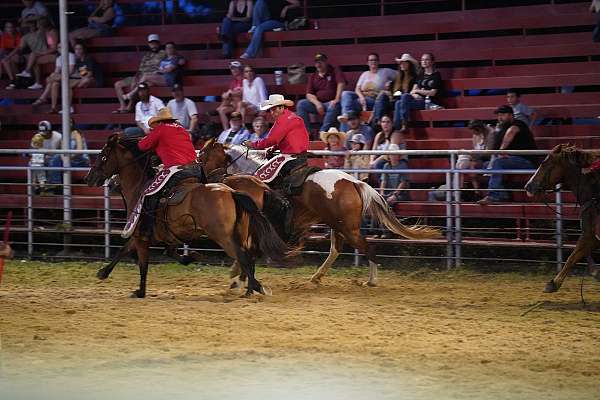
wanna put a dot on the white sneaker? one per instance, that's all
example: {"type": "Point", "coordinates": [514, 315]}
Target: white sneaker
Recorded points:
{"type": "Point", "coordinates": [10, 86]}
{"type": "Point", "coordinates": [35, 86]}
{"type": "Point", "coordinates": [24, 74]}
{"type": "Point", "coordinates": [278, 30]}
{"type": "Point", "coordinates": [342, 118]}
{"type": "Point", "coordinates": [252, 29]}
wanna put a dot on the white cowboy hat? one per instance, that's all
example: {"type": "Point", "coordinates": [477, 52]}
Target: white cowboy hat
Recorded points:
{"type": "Point", "coordinates": [332, 131]}
{"type": "Point", "coordinates": [275, 100]}
{"type": "Point", "coordinates": [410, 59]}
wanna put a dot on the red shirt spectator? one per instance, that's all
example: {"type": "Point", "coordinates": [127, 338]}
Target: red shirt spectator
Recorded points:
{"type": "Point", "coordinates": [325, 87]}
{"type": "Point", "coordinates": [172, 144]}
{"type": "Point", "coordinates": [9, 42]}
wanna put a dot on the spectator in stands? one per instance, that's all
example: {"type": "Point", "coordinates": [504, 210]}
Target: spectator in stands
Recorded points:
{"type": "Point", "coordinates": [29, 42]}
{"type": "Point", "coordinates": [236, 21]}
{"type": "Point", "coordinates": [259, 127]}
{"type": "Point", "coordinates": [183, 109]}
{"type": "Point", "coordinates": [356, 127]}
{"type": "Point", "coordinates": [517, 136]}
{"type": "Point", "coordinates": [408, 70]}
{"type": "Point", "coordinates": [9, 41]}
{"type": "Point", "coordinates": [383, 140]}
{"type": "Point", "coordinates": [428, 84]}
{"type": "Point", "coordinates": [47, 53]}
{"type": "Point", "coordinates": [595, 7]}
{"type": "Point", "coordinates": [323, 93]}
{"type": "Point", "coordinates": [237, 133]}
{"type": "Point", "coordinates": [254, 92]}
{"type": "Point", "coordinates": [355, 161]}
{"type": "Point", "coordinates": [146, 108]}
{"type": "Point", "coordinates": [267, 15]}
{"type": "Point", "coordinates": [99, 23]}
{"type": "Point", "coordinates": [150, 64]}
{"type": "Point", "coordinates": [334, 141]}
{"type": "Point", "coordinates": [52, 141]}
{"type": "Point", "coordinates": [369, 85]}
{"type": "Point", "coordinates": [33, 10]}
{"type": "Point", "coordinates": [53, 82]}
{"type": "Point", "coordinates": [521, 110]}
{"type": "Point", "coordinates": [76, 142]}
{"type": "Point", "coordinates": [233, 96]}
{"type": "Point", "coordinates": [483, 139]}
{"type": "Point", "coordinates": [37, 160]}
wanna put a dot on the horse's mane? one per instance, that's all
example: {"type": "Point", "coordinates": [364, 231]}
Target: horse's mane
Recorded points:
{"type": "Point", "coordinates": [243, 160]}
{"type": "Point", "coordinates": [575, 156]}
{"type": "Point", "coordinates": [144, 158]}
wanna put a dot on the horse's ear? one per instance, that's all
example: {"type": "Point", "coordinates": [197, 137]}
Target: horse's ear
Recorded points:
{"type": "Point", "coordinates": [113, 139]}
{"type": "Point", "coordinates": [557, 149]}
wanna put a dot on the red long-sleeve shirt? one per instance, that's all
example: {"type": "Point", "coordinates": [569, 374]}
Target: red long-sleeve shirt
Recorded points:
{"type": "Point", "coordinates": [288, 134]}
{"type": "Point", "coordinates": [172, 144]}
{"type": "Point", "coordinates": [595, 166]}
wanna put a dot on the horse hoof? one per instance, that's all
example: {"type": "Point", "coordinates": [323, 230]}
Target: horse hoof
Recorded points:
{"type": "Point", "coordinates": [186, 260]}
{"type": "Point", "coordinates": [265, 290]}
{"type": "Point", "coordinates": [315, 280]}
{"type": "Point", "coordinates": [370, 284]}
{"type": "Point", "coordinates": [102, 274]}
{"type": "Point", "coordinates": [550, 287]}
{"type": "Point", "coordinates": [137, 294]}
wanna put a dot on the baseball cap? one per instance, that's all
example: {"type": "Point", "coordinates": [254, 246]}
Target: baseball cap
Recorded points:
{"type": "Point", "coordinates": [358, 138]}
{"type": "Point", "coordinates": [153, 37]}
{"type": "Point", "coordinates": [177, 86]}
{"type": "Point", "coordinates": [353, 115]}
{"type": "Point", "coordinates": [505, 109]}
{"type": "Point", "coordinates": [235, 115]}
{"type": "Point", "coordinates": [142, 85]}
{"type": "Point", "coordinates": [476, 124]}
{"type": "Point", "coordinates": [44, 126]}
{"type": "Point", "coordinates": [320, 57]}
{"type": "Point", "coordinates": [235, 64]}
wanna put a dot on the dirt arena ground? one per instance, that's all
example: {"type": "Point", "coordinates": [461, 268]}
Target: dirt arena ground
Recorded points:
{"type": "Point", "coordinates": [420, 335]}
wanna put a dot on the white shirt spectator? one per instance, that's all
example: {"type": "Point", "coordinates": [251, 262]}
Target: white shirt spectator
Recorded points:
{"type": "Point", "coordinates": [37, 9]}
{"type": "Point", "coordinates": [229, 136]}
{"type": "Point", "coordinates": [58, 62]}
{"type": "Point", "coordinates": [371, 84]}
{"type": "Point", "coordinates": [145, 111]}
{"type": "Point", "coordinates": [254, 93]}
{"type": "Point", "coordinates": [183, 111]}
{"type": "Point", "coordinates": [54, 142]}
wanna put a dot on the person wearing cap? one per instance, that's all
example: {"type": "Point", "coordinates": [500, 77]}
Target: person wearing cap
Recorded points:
{"type": "Point", "coordinates": [323, 93]}
{"type": "Point", "coordinates": [236, 133]}
{"type": "Point", "coordinates": [76, 142]}
{"type": "Point", "coordinates": [38, 160]}
{"type": "Point", "coordinates": [233, 96]}
{"type": "Point", "coordinates": [237, 20]}
{"type": "Point", "coordinates": [356, 127]}
{"type": "Point", "coordinates": [268, 16]}
{"type": "Point", "coordinates": [334, 141]}
{"type": "Point", "coordinates": [408, 70]}
{"type": "Point", "coordinates": [369, 85]}
{"type": "Point", "coordinates": [150, 64]}
{"type": "Point", "coordinates": [358, 161]}
{"type": "Point", "coordinates": [183, 109]}
{"type": "Point", "coordinates": [52, 140]}
{"type": "Point", "coordinates": [146, 108]}
{"type": "Point", "coordinates": [515, 136]}
{"type": "Point", "coordinates": [99, 23]}
{"type": "Point", "coordinates": [288, 134]}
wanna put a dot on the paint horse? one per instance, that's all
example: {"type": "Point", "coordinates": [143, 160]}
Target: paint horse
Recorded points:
{"type": "Point", "coordinates": [329, 196]}
{"type": "Point", "coordinates": [228, 217]}
{"type": "Point", "coordinates": [564, 165]}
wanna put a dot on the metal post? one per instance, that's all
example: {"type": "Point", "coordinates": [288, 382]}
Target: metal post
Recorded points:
{"type": "Point", "coordinates": [29, 213]}
{"type": "Point", "coordinates": [457, 220]}
{"type": "Point", "coordinates": [559, 228]}
{"type": "Point", "coordinates": [66, 118]}
{"type": "Point", "coordinates": [106, 222]}
{"type": "Point", "coordinates": [449, 248]}
{"type": "Point", "coordinates": [356, 252]}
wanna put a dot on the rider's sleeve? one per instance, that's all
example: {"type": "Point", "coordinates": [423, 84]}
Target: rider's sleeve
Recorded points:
{"type": "Point", "coordinates": [595, 166]}
{"type": "Point", "coordinates": [276, 135]}
{"type": "Point", "coordinates": [150, 141]}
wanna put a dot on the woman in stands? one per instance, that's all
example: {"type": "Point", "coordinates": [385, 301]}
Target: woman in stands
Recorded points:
{"type": "Point", "coordinates": [99, 23]}
{"type": "Point", "coordinates": [369, 85]}
{"type": "Point", "coordinates": [9, 41]}
{"type": "Point", "coordinates": [254, 92]}
{"type": "Point", "coordinates": [38, 57]}
{"type": "Point", "coordinates": [236, 21]}
{"type": "Point", "coordinates": [428, 84]}
{"type": "Point", "coordinates": [53, 81]}
{"type": "Point", "coordinates": [408, 70]}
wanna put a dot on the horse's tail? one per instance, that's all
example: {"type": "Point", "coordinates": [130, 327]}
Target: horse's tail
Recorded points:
{"type": "Point", "coordinates": [261, 230]}
{"type": "Point", "coordinates": [375, 204]}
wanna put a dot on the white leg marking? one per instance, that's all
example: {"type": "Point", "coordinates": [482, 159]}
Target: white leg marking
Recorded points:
{"type": "Point", "coordinates": [333, 255]}
{"type": "Point", "coordinates": [372, 274]}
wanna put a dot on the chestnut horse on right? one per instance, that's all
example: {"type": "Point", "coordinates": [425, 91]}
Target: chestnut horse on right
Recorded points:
{"type": "Point", "coordinates": [564, 165]}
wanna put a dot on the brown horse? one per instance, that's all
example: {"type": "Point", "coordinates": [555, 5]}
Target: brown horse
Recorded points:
{"type": "Point", "coordinates": [228, 217]}
{"type": "Point", "coordinates": [564, 165]}
{"type": "Point", "coordinates": [329, 196]}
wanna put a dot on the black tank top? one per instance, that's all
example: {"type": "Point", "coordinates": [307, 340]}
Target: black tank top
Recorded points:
{"type": "Point", "coordinates": [242, 14]}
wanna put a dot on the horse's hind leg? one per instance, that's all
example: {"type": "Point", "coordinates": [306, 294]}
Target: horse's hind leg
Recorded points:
{"type": "Point", "coordinates": [142, 247]}
{"type": "Point", "coordinates": [104, 273]}
{"type": "Point", "coordinates": [237, 276]}
{"type": "Point", "coordinates": [337, 242]}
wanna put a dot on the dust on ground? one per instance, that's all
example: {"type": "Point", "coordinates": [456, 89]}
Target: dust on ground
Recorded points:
{"type": "Point", "coordinates": [433, 335]}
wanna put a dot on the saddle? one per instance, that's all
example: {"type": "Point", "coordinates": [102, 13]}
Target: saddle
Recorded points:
{"type": "Point", "coordinates": [286, 174]}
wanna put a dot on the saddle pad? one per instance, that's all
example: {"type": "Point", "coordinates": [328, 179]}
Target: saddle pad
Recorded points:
{"type": "Point", "coordinates": [271, 168]}
{"type": "Point", "coordinates": [154, 187]}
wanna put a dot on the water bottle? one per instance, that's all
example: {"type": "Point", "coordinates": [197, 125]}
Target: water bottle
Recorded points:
{"type": "Point", "coordinates": [427, 103]}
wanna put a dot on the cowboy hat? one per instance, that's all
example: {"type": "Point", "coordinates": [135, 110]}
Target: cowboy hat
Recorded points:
{"type": "Point", "coordinates": [332, 131]}
{"type": "Point", "coordinates": [275, 100]}
{"type": "Point", "coordinates": [410, 59]}
{"type": "Point", "coordinates": [164, 114]}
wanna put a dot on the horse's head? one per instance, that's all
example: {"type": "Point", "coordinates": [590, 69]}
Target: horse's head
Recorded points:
{"type": "Point", "coordinates": [213, 156]}
{"type": "Point", "coordinates": [555, 167]}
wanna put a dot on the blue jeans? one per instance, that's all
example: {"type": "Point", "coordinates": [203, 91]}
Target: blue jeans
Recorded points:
{"type": "Point", "coordinates": [510, 162]}
{"type": "Point", "coordinates": [229, 30]}
{"type": "Point", "coordinates": [403, 106]}
{"type": "Point", "coordinates": [596, 33]}
{"type": "Point", "coordinates": [305, 107]}
{"type": "Point", "coordinates": [350, 102]}
{"type": "Point", "coordinates": [382, 107]}
{"type": "Point", "coordinates": [257, 36]}
{"type": "Point", "coordinates": [260, 12]}
{"type": "Point", "coordinates": [55, 177]}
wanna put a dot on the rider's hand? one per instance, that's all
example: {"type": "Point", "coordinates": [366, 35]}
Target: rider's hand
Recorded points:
{"type": "Point", "coordinates": [247, 143]}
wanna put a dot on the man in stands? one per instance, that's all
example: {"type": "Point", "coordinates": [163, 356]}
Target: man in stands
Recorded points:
{"type": "Point", "coordinates": [515, 136]}
{"type": "Point", "coordinates": [33, 10]}
{"type": "Point", "coordinates": [146, 108]}
{"type": "Point", "coordinates": [323, 92]}
{"type": "Point", "coordinates": [183, 109]}
{"type": "Point", "coordinates": [237, 133]}
{"type": "Point", "coordinates": [150, 64]}
{"type": "Point", "coordinates": [52, 141]}
{"type": "Point", "coordinates": [356, 127]}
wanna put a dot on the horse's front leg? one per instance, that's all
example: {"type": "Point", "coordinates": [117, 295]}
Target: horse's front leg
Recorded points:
{"type": "Point", "coordinates": [584, 245]}
{"type": "Point", "coordinates": [104, 273]}
{"type": "Point", "coordinates": [142, 247]}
